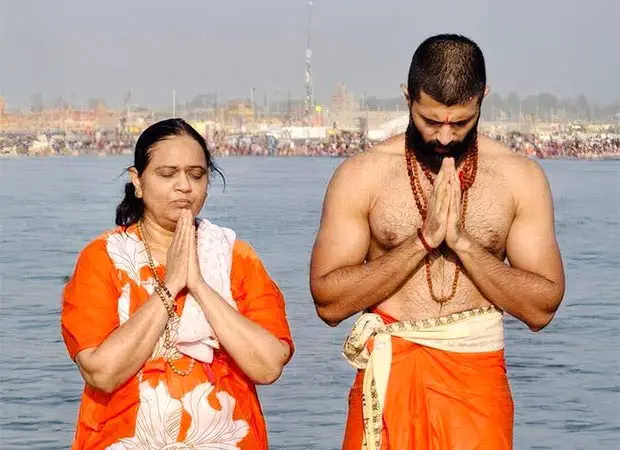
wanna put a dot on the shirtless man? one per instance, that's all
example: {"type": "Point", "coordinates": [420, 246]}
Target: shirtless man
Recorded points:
{"type": "Point", "coordinates": [439, 232]}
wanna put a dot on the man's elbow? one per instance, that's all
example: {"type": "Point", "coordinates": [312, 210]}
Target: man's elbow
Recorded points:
{"type": "Point", "coordinates": [540, 322]}
{"type": "Point", "coordinates": [323, 304]}
{"type": "Point", "coordinates": [328, 315]}
{"type": "Point", "coordinates": [546, 315]}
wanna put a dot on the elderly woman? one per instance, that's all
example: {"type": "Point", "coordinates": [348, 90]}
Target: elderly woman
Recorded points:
{"type": "Point", "coordinates": [171, 353]}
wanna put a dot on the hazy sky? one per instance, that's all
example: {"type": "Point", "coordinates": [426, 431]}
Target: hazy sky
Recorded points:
{"type": "Point", "coordinates": [82, 49]}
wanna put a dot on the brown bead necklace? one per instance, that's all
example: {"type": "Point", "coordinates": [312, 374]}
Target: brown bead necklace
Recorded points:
{"type": "Point", "coordinates": [172, 315]}
{"type": "Point", "coordinates": [467, 176]}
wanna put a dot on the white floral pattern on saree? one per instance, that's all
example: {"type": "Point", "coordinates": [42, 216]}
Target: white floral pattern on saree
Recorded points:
{"type": "Point", "coordinates": [159, 421]}
{"type": "Point", "coordinates": [128, 254]}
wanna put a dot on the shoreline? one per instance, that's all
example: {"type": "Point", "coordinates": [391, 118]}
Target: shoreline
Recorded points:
{"type": "Point", "coordinates": [608, 157]}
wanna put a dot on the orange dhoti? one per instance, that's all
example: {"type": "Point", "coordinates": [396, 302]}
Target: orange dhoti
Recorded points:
{"type": "Point", "coordinates": [433, 384]}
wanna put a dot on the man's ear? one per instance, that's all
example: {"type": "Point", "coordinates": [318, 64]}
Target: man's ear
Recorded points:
{"type": "Point", "coordinates": [487, 89]}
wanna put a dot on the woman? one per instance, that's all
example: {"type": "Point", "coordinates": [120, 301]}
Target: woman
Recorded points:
{"type": "Point", "coordinates": [171, 354]}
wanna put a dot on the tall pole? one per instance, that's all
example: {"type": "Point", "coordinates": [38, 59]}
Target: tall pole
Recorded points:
{"type": "Point", "coordinates": [174, 103]}
{"type": "Point", "coordinates": [252, 101]}
{"type": "Point", "coordinates": [309, 98]}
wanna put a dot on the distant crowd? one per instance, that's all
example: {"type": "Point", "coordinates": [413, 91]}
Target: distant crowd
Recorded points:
{"type": "Point", "coordinates": [338, 145]}
{"type": "Point", "coordinates": [556, 145]}
{"type": "Point", "coordinates": [560, 144]}
{"type": "Point", "coordinates": [573, 145]}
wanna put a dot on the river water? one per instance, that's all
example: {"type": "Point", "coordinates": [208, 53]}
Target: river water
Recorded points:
{"type": "Point", "coordinates": [565, 380]}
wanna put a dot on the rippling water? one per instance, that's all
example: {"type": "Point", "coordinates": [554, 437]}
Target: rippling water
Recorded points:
{"type": "Point", "coordinates": [565, 380]}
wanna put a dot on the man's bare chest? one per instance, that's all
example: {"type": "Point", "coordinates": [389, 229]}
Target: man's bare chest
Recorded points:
{"type": "Point", "coordinates": [490, 212]}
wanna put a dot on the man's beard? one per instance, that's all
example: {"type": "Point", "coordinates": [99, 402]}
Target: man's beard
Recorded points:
{"type": "Point", "coordinates": [426, 152]}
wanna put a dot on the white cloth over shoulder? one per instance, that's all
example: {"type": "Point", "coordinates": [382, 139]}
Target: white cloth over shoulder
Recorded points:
{"type": "Point", "coordinates": [215, 245]}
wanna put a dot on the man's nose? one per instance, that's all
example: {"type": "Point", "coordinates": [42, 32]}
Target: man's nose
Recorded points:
{"type": "Point", "coordinates": [445, 135]}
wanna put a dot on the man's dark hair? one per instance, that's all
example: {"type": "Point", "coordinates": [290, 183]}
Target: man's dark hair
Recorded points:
{"type": "Point", "coordinates": [448, 67]}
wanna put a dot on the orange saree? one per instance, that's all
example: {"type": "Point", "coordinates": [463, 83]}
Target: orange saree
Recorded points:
{"type": "Point", "coordinates": [216, 406]}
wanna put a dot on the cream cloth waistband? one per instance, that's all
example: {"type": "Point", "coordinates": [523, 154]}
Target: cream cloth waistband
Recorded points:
{"type": "Point", "coordinates": [476, 330]}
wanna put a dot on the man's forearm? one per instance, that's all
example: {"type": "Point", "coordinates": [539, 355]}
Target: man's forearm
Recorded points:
{"type": "Point", "coordinates": [529, 297]}
{"type": "Point", "coordinates": [349, 290]}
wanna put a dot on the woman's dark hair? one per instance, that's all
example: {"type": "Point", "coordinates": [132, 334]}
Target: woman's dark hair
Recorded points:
{"type": "Point", "coordinates": [131, 209]}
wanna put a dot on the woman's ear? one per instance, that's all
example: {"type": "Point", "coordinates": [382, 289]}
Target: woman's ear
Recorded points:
{"type": "Point", "coordinates": [135, 180]}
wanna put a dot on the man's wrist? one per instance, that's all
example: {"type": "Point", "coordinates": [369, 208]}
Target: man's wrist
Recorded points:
{"type": "Point", "coordinates": [428, 246]}
{"type": "Point", "coordinates": [463, 244]}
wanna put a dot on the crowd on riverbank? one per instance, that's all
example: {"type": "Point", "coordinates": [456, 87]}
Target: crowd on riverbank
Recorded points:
{"type": "Point", "coordinates": [562, 145]}
{"type": "Point", "coordinates": [554, 145]}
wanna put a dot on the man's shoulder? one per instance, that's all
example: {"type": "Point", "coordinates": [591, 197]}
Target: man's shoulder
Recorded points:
{"type": "Point", "coordinates": [369, 164]}
{"type": "Point", "coordinates": [525, 177]}
{"type": "Point", "coordinates": [510, 163]}
{"type": "Point", "coordinates": [358, 177]}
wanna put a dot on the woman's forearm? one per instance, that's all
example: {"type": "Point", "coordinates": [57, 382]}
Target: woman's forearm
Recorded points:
{"type": "Point", "coordinates": [256, 351]}
{"type": "Point", "coordinates": [125, 351]}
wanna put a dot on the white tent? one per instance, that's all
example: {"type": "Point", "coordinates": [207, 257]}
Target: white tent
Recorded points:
{"type": "Point", "coordinates": [390, 128]}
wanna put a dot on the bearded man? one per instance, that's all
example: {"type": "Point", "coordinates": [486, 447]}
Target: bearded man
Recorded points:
{"type": "Point", "coordinates": [433, 236]}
